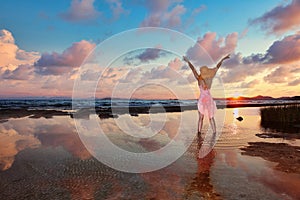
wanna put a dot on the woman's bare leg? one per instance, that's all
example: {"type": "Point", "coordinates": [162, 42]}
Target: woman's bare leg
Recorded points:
{"type": "Point", "coordinates": [213, 124]}
{"type": "Point", "coordinates": [200, 123]}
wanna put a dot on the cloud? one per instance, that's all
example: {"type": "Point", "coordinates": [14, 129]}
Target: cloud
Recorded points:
{"type": "Point", "coordinates": [163, 13]}
{"type": "Point", "coordinates": [132, 76]}
{"type": "Point", "coordinates": [191, 19]}
{"type": "Point", "coordinates": [250, 84]}
{"type": "Point", "coordinates": [198, 10]}
{"type": "Point", "coordinates": [145, 56]}
{"type": "Point", "coordinates": [10, 54]}
{"type": "Point", "coordinates": [116, 8]}
{"type": "Point", "coordinates": [159, 5]}
{"type": "Point", "coordinates": [6, 37]}
{"type": "Point", "coordinates": [296, 70]}
{"type": "Point", "coordinates": [22, 72]}
{"type": "Point", "coordinates": [90, 74]}
{"type": "Point", "coordinates": [239, 73]}
{"type": "Point", "coordinates": [25, 56]}
{"type": "Point", "coordinates": [11, 143]}
{"type": "Point", "coordinates": [173, 18]}
{"type": "Point", "coordinates": [244, 33]}
{"type": "Point", "coordinates": [80, 11]}
{"type": "Point", "coordinates": [238, 68]}
{"type": "Point", "coordinates": [210, 45]}
{"type": "Point", "coordinates": [286, 50]}
{"type": "Point", "coordinates": [279, 75]}
{"type": "Point", "coordinates": [280, 19]}
{"type": "Point", "coordinates": [254, 58]}
{"type": "Point", "coordinates": [294, 82]}
{"type": "Point", "coordinates": [72, 57]}
{"type": "Point", "coordinates": [149, 54]}
{"type": "Point", "coordinates": [169, 72]}
{"type": "Point", "coordinates": [176, 64]}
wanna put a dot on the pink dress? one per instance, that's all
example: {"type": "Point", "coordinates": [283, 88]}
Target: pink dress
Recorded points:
{"type": "Point", "coordinates": [206, 104]}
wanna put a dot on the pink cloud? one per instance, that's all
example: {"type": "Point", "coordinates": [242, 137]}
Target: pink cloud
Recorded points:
{"type": "Point", "coordinates": [81, 10]}
{"type": "Point", "coordinates": [279, 75]}
{"type": "Point", "coordinates": [280, 19]}
{"type": "Point", "coordinates": [72, 57]}
{"type": "Point", "coordinates": [210, 45]}
{"type": "Point", "coordinates": [158, 5]}
{"type": "Point", "coordinates": [18, 69]}
{"type": "Point", "coordinates": [198, 10]}
{"type": "Point", "coordinates": [294, 82]}
{"type": "Point", "coordinates": [238, 68]}
{"type": "Point", "coordinates": [238, 74]}
{"type": "Point", "coordinates": [176, 64]}
{"type": "Point", "coordinates": [191, 19]}
{"type": "Point", "coordinates": [250, 84]}
{"type": "Point", "coordinates": [286, 50]}
{"type": "Point", "coordinates": [11, 143]}
{"type": "Point", "coordinates": [22, 72]}
{"type": "Point", "coordinates": [173, 18]}
{"type": "Point", "coordinates": [117, 8]}
{"type": "Point", "coordinates": [165, 72]}
{"type": "Point", "coordinates": [11, 55]}
{"type": "Point", "coordinates": [163, 13]}
{"type": "Point", "coordinates": [6, 37]}
{"type": "Point", "coordinates": [132, 76]}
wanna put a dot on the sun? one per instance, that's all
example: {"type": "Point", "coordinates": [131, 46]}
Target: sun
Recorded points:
{"type": "Point", "coordinates": [236, 95]}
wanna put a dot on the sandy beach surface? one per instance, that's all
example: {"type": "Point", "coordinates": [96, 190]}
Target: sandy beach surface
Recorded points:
{"type": "Point", "coordinates": [43, 157]}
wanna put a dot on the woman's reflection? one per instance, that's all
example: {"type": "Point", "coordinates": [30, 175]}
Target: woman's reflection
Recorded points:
{"type": "Point", "coordinates": [200, 186]}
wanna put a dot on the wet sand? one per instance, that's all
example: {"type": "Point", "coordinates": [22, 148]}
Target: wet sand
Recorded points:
{"type": "Point", "coordinates": [6, 114]}
{"type": "Point", "coordinates": [43, 158]}
{"type": "Point", "coordinates": [287, 136]}
{"type": "Point", "coordinates": [286, 157]}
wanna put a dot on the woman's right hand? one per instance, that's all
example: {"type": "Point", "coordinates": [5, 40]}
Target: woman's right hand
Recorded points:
{"type": "Point", "coordinates": [185, 59]}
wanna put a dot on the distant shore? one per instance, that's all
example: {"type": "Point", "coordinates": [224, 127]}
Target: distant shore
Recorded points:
{"type": "Point", "coordinates": [111, 112]}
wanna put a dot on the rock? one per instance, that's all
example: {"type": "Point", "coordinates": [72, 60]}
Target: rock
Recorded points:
{"type": "Point", "coordinates": [240, 118]}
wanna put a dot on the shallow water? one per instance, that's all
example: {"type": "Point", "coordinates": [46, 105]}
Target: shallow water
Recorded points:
{"type": "Point", "coordinates": [45, 159]}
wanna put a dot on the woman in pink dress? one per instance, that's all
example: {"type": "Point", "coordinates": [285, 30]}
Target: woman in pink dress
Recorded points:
{"type": "Point", "coordinates": [206, 104]}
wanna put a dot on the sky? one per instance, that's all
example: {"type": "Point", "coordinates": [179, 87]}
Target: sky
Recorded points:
{"type": "Point", "coordinates": [43, 45]}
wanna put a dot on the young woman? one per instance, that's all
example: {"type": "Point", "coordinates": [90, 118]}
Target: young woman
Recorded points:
{"type": "Point", "coordinates": [206, 104]}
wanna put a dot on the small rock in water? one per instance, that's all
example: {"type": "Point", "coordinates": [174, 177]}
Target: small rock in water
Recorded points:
{"type": "Point", "coordinates": [240, 118]}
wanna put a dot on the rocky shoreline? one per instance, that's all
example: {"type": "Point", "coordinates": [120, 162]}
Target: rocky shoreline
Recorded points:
{"type": "Point", "coordinates": [107, 112]}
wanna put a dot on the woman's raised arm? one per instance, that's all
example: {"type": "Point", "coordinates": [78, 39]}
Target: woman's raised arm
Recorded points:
{"type": "Point", "coordinates": [220, 63]}
{"type": "Point", "coordinates": [192, 68]}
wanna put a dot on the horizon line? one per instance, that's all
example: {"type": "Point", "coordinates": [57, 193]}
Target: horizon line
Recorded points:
{"type": "Point", "coordinates": [68, 97]}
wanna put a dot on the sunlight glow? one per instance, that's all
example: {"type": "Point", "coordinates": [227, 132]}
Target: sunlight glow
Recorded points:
{"type": "Point", "coordinates": [236, 95]}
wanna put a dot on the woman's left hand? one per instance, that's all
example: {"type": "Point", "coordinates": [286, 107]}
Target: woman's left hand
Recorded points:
{"type": "Point", "coordinates": [226, 57]}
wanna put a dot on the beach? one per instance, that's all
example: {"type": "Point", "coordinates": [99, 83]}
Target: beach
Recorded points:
{"type": "Point", "coordinates": [42, 157]}
{"type": "Point", "coordinates": [105, 100]}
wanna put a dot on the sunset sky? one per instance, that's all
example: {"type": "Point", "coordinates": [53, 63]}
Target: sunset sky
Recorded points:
{"type": "Point", "coordinates": [43, 44]}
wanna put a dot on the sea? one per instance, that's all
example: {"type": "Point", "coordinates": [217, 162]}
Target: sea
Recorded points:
{"type": "Point", "coordinates": [65, 104]}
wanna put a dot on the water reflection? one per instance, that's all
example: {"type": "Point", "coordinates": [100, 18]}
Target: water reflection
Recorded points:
{"type": "Point", "coordinates": [44, 158]}
{"type": "Point", "coordinates": [11, 143]}
{"type": "Point", "coordinates": [200, 186]}
{"type": "Point", "coordinates": [19, 134]}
